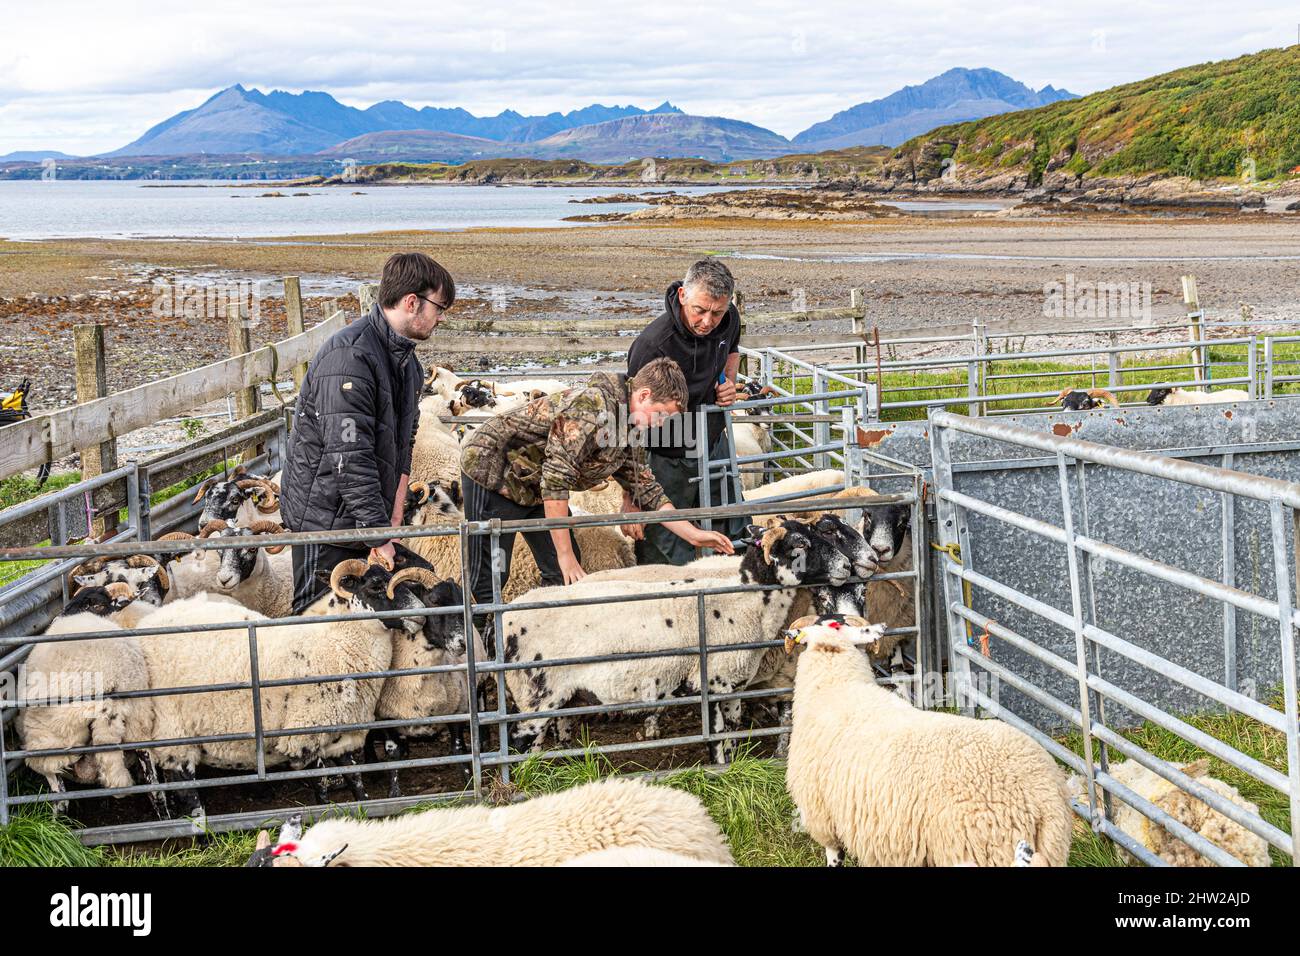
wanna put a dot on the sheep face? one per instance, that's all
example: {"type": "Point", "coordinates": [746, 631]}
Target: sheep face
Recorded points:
{"type": "Point", "coordinates": [433, 503]}
{"type": "Point", "coordinates": [1157, 396]}
{"type": "Point", "coordinates": [96, 600]}
{"type": "Point", "coordinates": [1079, 402]}
{"type": "Point", "coordinates": [445, 632]}
{"type": "Point", "coordinates": [147, 580]}
{"type": "Point", "coordinates": [237, 564]}
{"type": "Point", "coordinates": [791, 553]}
{"type": "Point", "coordinates": [222, 501]}
{"type": "Point", "coordinates": [369, 592]}
{"type": "Point", "coordinates": [477, 394]}
{"type": "Point", "coordinates": [886, 528]}
{"type": "Point", "coordinates": [848, 542]}
{"type": "Point", "coordinates": [831, 635]}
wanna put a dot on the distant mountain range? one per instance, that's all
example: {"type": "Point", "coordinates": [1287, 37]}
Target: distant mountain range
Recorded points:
{"type": "Point", "coordinates": [952, 97]}
{"type": "Point", "coordinates": [248, 122]}
{"type": "Point", "coordinates": [32, 155]}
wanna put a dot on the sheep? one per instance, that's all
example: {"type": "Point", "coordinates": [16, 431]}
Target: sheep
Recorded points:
{"type": "Point", "coordinates": [441, 641]}
{"type": "Point", "coordinates": [1182, 396]}
{"type": "Point", "coordinates": [544, 831]}
{"type": "Point", "coordinates": [789, 555]}
{"type": "Point", "coordinates": [443, 382]}
{"type": "Point", "coordinates": [148, 579]}
{"type": "Point", "coordinates": [292, 651]}
{"type": "Point", "coordinates": [240, 497]}
{"type": "Point", "coordinates": [775, 669]}
{"type": "Point", "coordinates": [85, 668]}
{"type": "Point", "coordinates": [896, 786]}
{"type": "Point", "coordinates": [887, 529]}
{"type": "Point", "coordinates": [637, 856]}
{"type": "Point", "coordinates": [1076, 400]}
{"type": "Point", "coordinates": [435, 457]}
{"type": "Point", "coordinates": [259, 578]}
{"type": "Point", "coordinates": [796, 484]}
{"type": "Point", "coordinates": [435, 504]}
{"type": "Point", "coordinates": [1197, 815]}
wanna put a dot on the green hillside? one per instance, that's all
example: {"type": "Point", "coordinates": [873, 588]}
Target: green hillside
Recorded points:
{"type": "Point", "coordinates": [1204, 121]}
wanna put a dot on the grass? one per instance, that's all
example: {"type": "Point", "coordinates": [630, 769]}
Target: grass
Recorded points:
{"type": "Point", "coordinates": [748, 800]}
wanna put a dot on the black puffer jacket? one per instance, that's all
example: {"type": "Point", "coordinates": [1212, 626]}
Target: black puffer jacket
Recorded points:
{"type": "Point", "coordinates": [701, 357]}
{"type": "Point", "coordinates": [354, 428]}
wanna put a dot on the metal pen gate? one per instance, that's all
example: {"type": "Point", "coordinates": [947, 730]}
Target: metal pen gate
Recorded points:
{"type": "Point", "coordinates": [1062, 654]}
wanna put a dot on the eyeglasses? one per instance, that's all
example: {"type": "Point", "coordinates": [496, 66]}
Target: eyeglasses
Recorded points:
{"type": "Point", "coordinates": [438, 307]}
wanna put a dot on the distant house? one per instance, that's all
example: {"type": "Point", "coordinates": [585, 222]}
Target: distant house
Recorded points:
{"type": "Point", "coordinates": [736, 171]}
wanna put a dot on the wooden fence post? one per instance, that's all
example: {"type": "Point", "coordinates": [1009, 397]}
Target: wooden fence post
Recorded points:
{"type": "Point", "coordinates": [241, 341]}
{"type": "Point", "coordinates": [294, 318]}
{"type": "Point", "coordinates": [738, 297]}
{"type": "Point", "coordinates": [92, 383]}
{"type": "Point", "coordinates": [367, 292]}
{"type": "Point", "coordinates": [858, 325]}
{"type": "Point", "coordinates": [1194, 315]}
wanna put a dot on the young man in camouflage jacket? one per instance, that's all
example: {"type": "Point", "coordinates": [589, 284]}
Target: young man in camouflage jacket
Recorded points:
{"type": "Point", "coordinates": [526, 463]}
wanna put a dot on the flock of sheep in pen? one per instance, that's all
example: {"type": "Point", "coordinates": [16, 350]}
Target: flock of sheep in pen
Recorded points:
{"type": "Point", "coordinates": [872, 776]}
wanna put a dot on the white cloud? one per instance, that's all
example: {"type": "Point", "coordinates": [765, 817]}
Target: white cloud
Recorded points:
{"type": "Point", "coordinates": [87, 77]}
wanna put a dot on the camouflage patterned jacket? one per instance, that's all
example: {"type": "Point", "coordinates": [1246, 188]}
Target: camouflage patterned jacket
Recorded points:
{"type": "Point", "coordinates": [562, 443]}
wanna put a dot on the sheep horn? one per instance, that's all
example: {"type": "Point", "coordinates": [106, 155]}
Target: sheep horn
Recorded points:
{"type": "Point", "coordinates": [202, 490]}
{"type": "Point", "coordinates": [263, 840]}
{"type": "Point", "coordinates": [854, 621]}
{"type": "Point", "coordinates": [350, 566]}
{"type": "Point", "coordinates": [426, 577]}
{"type": "Point", "coordinates": [1060, 395]}
{"type": "Point", "coordinates": [420, 488]}
{"type": "Point", "coordinates": [770, 538]}
{"type": "Point", "coordinates": [144, 561]}
{"type": "Point", "coordinates": [272, 503]}
{"type": "Point", "coordinates": [806, 621]}
{"type": "Point", "coordinates": [212, 527]}
{"type": "Point", "coordinates": [176, 536]}
{"type": "Point", "coordinates": [92, 566]}
{"type": "Point", "coordinates": [269, 527]}
{"type": "Point", "coordinates": [1103, 394]}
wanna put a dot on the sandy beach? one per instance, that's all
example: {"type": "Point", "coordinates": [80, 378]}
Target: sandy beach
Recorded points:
{"type": "Point", "coordinates": [918, 274]}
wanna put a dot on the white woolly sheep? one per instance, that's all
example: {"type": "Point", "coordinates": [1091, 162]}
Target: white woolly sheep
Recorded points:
{"type": "Point", "coordinates": [1195, 814]}
{"type": "Point", "coordinates": [259, 578]}
{"type": "Point", "coordinates": [788, 555]}
{"type": "Point", "coordinates": [637, 856]}
{"type": "Point", "coordinates": [86, 668]}
{"type": "Point", "coordinates": [897, 786]}
{"type": "Point", "coordinates": [544, 831]}
{"type": "Point", "coordinates": [1183, 396]}
{"type": "Point", "coordinates": [441, 642]}
{"type": "Point", "coordinates": [436, 504]}
{"type": "Point", "coordinates": [241, 497]}
{"type": "Point", "coordinates": [294, 651]}
{"type": "Point", "coordinates": [436, 453]}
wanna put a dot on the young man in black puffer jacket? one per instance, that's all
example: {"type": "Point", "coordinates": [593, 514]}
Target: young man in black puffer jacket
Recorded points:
{"type": "Point", "coordinates": [349, 455]}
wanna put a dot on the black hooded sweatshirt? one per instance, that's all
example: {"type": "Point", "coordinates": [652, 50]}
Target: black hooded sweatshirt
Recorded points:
{"type": "Point", "coordinates": [702, 359]}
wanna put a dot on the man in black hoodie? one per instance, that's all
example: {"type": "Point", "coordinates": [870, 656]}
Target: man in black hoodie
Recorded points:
{"type": "Point", "coordinates": [699, 330]}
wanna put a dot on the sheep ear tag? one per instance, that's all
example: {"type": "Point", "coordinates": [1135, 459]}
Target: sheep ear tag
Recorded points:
{"type": "Point", "coordinates": [793, 637]}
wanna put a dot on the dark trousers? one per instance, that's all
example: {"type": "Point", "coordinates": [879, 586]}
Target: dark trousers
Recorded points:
{"type": "Point", "coordinates": [484, 505]}
{"type": "Point", "coordinates": [311, 560]}
{"type": "Point", "coordinates": [660, 545]}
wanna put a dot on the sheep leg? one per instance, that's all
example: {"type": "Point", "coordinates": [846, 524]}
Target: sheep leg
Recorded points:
{"type": "Point", "coordinates": [726, 717]}
{"type": "Point", "coordinates": [785, 716]}
{"type": "Point", "coordinates": [320, 787]}
{"type": "Point", "coordinates": [395, 748]}
{"type": "Point", "coordinates": [834, 856]}
{"type": "Point", "coordinates": [57, 785]}
{"type": "Point", "coordinates": [563, 730]}
{"type": "Point", "coordinates": [459, 735]}
{"type": "Point", "coordinates": [652, 727]}
{"type": "Point", "coordinates": [149, 775]}
{"type": "Point", "coordinates": [187, 801]}
{"type": "Point", "coordinates": [355, 783]}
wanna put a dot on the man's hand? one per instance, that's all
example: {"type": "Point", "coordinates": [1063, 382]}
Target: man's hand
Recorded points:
{"type": "Point", "coordinates": [634, 531]}
{"type": "Point", "coordinates": [712, 539]}
{"type": "Point", "coordinates": [571, 568]}
{"type": "Point", "coordinates": [725, 393]}
{"type": "Point", "coordinates": [384, 556]}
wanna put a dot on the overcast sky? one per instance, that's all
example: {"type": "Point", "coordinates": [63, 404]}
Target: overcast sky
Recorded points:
{"type": "Point", "coordinates": [89, 77]}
